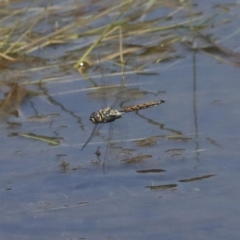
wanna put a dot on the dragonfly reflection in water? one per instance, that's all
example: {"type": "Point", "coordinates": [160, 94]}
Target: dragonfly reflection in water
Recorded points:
{"type": "Point", "coordinates": [110, 114]}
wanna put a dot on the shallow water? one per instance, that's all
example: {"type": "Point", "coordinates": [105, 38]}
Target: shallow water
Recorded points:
{"type": "Point", "coordinates": [179, 180]}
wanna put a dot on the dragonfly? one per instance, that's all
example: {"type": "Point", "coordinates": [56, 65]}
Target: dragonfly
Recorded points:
{"type": "Point", "coordinates": [107, 115]}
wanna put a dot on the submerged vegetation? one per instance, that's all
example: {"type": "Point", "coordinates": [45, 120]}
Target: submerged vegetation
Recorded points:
{"type": "Point", "coordinates": [46, 42]}
{"type": "Point", "coordinates": [152, 31]}
{"type": "Point", "coordinates": [170, 172]}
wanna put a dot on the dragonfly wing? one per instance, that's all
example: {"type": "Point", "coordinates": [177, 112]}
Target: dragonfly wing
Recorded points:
{"type": "Point", "coordinates": [108, 154]}
{"type": "Point", "coordinates": [117, 136]}
{"type": "Point", "coordinates": [95, 130]}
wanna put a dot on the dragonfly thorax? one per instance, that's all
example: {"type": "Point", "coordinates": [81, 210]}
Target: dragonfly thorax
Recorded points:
{"type": "Point", "coordinates": [105, 115]}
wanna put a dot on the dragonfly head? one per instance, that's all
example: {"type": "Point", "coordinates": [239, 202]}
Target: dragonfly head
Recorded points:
{"type": "Point", "coordinates": [96, 118]}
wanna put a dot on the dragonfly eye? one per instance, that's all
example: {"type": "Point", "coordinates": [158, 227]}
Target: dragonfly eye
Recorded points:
{"type": "Point", "coordinates": [92, 118]}
{"type": "Point", "coordinates": [96, 118]}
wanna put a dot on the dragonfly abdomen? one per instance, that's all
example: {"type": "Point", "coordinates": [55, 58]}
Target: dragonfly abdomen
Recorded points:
{"type": "Point", "coordinates": [142, 106]}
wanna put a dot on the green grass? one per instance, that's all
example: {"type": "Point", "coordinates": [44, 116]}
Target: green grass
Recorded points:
{"type": "Point", "coordinates": [149, 31]}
